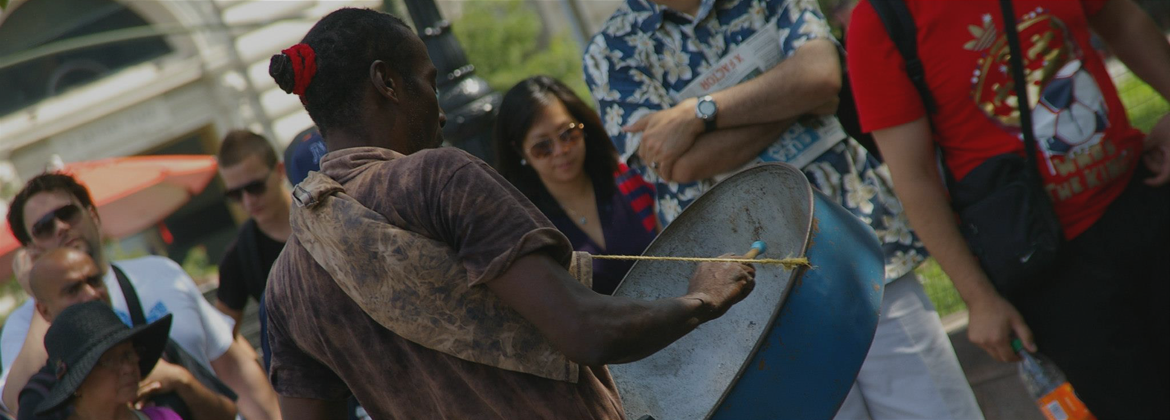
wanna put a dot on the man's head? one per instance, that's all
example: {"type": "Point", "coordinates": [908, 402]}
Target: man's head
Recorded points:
{"type": "Point", "coordinates": [364, 77]}
{"type": "Point", "coordinates": [252, 175]}
{"type": "Point", "coordinates": [64, 277]}
{"type": "Point", "coordinates": [54, 210]}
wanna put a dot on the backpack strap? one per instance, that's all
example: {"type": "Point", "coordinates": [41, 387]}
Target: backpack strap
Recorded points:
{"type": "Point", "coordinates": [1024, 107]}
{"type": "Point", "coordinates": [899, 23]}
{"type": "Point", "coordinates": [132, 302]}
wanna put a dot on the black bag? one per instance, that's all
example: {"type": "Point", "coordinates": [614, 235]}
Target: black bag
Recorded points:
{"type": "Point", "coordinates": [1008, 221]}
{"type": "Point", "coordinates": [1005, 214]}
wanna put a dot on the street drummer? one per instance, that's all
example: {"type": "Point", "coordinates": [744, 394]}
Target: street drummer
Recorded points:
{"type": "Point", "coordinates": [486, 264]}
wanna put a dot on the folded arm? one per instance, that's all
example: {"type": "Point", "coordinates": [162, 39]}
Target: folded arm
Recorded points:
{"type": "Point", "coordinates": [722, 151]}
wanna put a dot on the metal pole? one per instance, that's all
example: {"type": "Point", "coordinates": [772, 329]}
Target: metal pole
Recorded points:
{"type": "Point", "coordinates": [467, 99]}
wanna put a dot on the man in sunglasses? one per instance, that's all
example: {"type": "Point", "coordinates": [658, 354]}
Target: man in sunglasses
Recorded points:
{"type": "Point", "coordinates": [53, 211]}
{"type": "Point", "coordinates": [255, 181]}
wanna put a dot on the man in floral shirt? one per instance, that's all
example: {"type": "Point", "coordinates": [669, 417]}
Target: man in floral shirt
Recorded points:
{"type": "Point", "coordinates": [692, 90]}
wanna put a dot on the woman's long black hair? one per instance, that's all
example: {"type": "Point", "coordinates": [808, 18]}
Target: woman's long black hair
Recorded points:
{"type": "Point", "coordinates": [516, 115]}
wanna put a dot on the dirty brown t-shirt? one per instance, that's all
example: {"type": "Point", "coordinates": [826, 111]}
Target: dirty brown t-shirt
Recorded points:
{"type": "Point", "coordinates": [325, 347]}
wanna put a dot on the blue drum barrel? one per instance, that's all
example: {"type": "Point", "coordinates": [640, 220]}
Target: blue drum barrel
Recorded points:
{"type": "Point", "coordinates": [792, 349]}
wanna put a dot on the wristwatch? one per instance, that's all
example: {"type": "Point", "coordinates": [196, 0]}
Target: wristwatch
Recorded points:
{"type": "Point", "coordinates": [706, 109]}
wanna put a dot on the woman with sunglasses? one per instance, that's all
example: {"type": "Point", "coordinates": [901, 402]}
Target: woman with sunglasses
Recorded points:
{"type": "Point", "coordinates": [553, 148]}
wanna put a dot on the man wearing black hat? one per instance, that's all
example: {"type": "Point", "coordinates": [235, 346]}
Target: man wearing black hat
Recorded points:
{"type": "Point", "coordinates": [65, 278]}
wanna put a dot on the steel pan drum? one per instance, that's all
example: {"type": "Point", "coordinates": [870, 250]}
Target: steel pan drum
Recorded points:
{"type": "Point", "coordinates": [792, 349]}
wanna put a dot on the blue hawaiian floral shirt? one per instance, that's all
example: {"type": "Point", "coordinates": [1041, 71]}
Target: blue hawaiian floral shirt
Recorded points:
{"type": "Point", "coordinates": [645, 55]}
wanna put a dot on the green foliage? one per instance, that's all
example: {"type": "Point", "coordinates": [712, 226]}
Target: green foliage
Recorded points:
{"type": "Point", "coordinates": [198, 265]}
{"type": "Point", "coordinates": [11, 297]}
{"type": "Point", "coordinates": [1143, 104]}
{"type": "Point", "coordinates": [503, 41]}
{"type": "Point", "coordinates": [939, 289]}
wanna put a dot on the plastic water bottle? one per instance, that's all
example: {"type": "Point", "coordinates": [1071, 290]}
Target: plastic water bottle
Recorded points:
{"type": "Point", "coordinates": [1048, 386]}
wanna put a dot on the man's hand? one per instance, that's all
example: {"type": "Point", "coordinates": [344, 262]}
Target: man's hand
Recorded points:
{"type": "Point", "coordinates": [719, 285]}
{"type": "Point", "coordinates": [165, 377]}
{"type": "Point", "coordinates": [1156, 152]}
{"type": "Point", "coordinates": [992, 322]}
{"type": "Point", "coordinates": [666, 135]}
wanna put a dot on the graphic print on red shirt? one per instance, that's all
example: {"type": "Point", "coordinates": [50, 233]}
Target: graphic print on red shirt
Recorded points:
{"type": "Point", "coordinates": [1087, 149]}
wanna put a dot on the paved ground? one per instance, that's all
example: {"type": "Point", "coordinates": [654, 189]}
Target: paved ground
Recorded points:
{"type": "Point", "coordinates": [997, 386]}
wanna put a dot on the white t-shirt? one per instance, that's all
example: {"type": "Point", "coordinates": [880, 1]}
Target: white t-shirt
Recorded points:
{"type": "Point", "coordinates": [12, 338]}
{"type": "Point", "coordinates": [163, 287]}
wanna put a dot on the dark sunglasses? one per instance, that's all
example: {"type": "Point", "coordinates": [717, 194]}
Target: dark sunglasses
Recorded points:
{"type": "Point", "coordinates": [254, 188]}
{"type": "Point", "coordinates": [46, 226]}
{"type": "Point", "coordinates": [571, 135]}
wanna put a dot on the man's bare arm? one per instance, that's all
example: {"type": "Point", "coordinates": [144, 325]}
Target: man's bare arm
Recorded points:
{"type": "Point", "coordinates": [311, 409]}
{"type": "Point", "coordinates": [235, 314]}
{"type": "Point", "coordinates": [32, 358]}
{"type": "Point", "coordinates": [1137, 41]}
{"type": "Point", "coordinates": [239, 370]}
{"type": "Point", "coordinates": [722, 151]}
{"type": "Point", "coordinates": [909, 152]}
{"type": "Point", "coordinates": [805, 83]}
{"type": "Point", "coordinates": [594, 329]}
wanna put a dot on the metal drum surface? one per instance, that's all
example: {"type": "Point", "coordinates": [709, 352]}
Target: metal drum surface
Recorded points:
{"type": "Point", "coordinates": [794, 346]}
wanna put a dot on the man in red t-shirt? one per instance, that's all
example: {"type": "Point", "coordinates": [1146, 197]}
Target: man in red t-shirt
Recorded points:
{"type": "Point", "coordinates": [1100, 312]}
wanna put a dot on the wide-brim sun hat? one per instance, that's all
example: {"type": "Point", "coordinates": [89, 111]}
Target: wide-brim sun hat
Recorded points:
{"type": "Point", "coordinates": [82, 333]}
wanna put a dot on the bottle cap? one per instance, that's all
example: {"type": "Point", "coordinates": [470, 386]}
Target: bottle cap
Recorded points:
{"type": "Point", "coordinates": [1017, 345]}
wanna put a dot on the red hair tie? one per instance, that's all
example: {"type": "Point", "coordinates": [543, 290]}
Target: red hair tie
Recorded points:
{"type": "Point", "coordinates": [304, 62]}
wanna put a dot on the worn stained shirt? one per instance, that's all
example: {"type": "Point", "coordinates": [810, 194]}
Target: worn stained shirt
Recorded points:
{"type": "Point", "coordinates": [325, 347]}
{"type": "Point", "coordinates": [645, 55]}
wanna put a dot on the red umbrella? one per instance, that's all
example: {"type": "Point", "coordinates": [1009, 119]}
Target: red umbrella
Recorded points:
{"type": "Point", "coordinates": [131, 193]}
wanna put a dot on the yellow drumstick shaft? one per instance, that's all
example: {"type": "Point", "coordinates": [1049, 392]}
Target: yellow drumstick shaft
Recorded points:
{"type": "Point", "coordinates": [786, 262]}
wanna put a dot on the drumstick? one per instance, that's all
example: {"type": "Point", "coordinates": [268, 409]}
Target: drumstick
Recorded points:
{"type": "Point", "coordinates": [757, 248]}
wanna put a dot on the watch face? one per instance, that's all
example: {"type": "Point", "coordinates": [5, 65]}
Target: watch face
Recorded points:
{"type": "Point", "coordinates": [707, 108]}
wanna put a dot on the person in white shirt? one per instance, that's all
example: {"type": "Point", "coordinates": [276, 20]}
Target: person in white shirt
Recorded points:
{"type": "Point", "coordinates": [54, 210]}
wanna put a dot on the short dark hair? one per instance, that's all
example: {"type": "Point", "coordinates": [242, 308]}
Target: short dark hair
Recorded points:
{"type": "Point", "coordinates": [239, 144]}
{"type": "Point", "coordinates": [46, 182]}
{"type": "Point", "coordinates": [517, 112]}
{"type": "Point", "coordinates": [345, 43]}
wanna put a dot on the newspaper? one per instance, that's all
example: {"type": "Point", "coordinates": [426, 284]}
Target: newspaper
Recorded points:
{"type": "Point", "coordinates": [805, 140]}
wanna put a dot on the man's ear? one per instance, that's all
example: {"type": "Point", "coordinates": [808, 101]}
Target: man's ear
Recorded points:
{"type": "Point", "coordinates": [97, 219]}
{"type": "Point", "coordinates": [382, 77]}
{"type": "Point", "coordinates": [43, 310]}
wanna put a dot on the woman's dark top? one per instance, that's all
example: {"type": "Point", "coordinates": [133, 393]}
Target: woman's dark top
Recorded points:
{"type": "Point", "coordinates": [627, 223]}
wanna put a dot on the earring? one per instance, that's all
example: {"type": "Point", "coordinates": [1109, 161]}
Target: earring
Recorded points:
{"type": "Point", "coordinates": [523, 162]}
